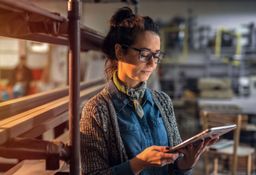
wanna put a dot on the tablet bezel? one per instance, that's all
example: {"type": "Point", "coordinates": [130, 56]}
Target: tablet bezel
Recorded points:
{"type": "Point", "coordinates": [208, 133]}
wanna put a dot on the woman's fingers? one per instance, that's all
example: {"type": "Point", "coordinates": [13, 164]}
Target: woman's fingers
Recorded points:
{"type": "Point", "coordinates": [213, 140]}
{"type": "Point", "coordinates": [201, 149]}
{"type": "Point", "coordinates": [157, 156]}
{"type": "Point", "coordinates": [167, 158]}
{"type": "Point", "coordinates": [167, 161]}
{"type": "Point", "coordinates": [160, 148]}
{"type": "Point", "coordinates": [192, 152]}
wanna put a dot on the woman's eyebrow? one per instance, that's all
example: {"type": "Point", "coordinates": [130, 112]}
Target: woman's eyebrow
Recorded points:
{"type": "Point", "coordinates": [144, 48]}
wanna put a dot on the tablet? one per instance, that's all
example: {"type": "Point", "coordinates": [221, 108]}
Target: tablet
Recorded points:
{"type": "Point", "coordinates": [206, 134]}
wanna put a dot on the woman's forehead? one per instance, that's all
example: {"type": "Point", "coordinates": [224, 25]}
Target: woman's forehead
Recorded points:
{"type": "Point", "coordinates": [148, 39]}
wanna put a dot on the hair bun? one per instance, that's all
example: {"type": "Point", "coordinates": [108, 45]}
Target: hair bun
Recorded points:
{"type": "Point", "coordinates": [124, 17]}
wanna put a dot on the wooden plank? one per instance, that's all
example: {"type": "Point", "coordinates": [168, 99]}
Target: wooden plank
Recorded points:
{"type": "Point", "coordinates": [16, 106]}
{"type": "Point", "coordinates": [49, 124]}
{"type": "Point", "coordinates": [45, 126]}
{"type": "Point", "coordinates": [32, 8]}
{"type": "Point", "coordinates": [13, 107]}
{"type": "Point", "coordinates": [19, 125]}
{"type": "Point", "coordinates": [28, 112]}
{"type": "Point", "coordinates": [56, 31]}
{"type": "Point", "coordinates": [40, 108]}
{"type": "Point", "coordinates": [26, 123]}
{"type": "Point", "coordinates": [32, 167]}
{"type": "Point", "coordinates": [63, 137]}
{"type": "Point", "coordinates": [4, 136]}
{"type": "Point", "coordinates": [14, 169]}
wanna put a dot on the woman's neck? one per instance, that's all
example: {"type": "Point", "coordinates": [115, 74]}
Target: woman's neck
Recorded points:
{"type": "Point", "coordinates": [127, 81]}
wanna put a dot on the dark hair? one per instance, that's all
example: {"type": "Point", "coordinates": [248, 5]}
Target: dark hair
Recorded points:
{"type": "Point", "coordinates": [124, 29]}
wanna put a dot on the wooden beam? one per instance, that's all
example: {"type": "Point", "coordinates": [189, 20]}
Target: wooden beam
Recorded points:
{"type": "Point", "coordinates": [22, 123]}
{"type": "Point", "coordinates": [16, 106]}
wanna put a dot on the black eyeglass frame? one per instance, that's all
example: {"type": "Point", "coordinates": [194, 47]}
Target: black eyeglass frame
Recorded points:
{"type": "Point", "coordinates": [147, 58]}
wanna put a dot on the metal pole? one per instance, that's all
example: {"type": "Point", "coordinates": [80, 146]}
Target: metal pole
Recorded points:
{"type": "Point", "coordinates": [136, 9]}
{"type": "Point", "coordinates": [136, 6]}
{"type": "Point", "coordinates": [74, 84]}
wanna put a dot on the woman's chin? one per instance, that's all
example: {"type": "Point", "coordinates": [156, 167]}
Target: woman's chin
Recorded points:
{"type": "Point", "coordinates": [144, 78]}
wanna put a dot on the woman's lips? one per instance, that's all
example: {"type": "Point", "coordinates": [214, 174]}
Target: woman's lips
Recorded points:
{"type": "Point", "coordinates": [147, 70]}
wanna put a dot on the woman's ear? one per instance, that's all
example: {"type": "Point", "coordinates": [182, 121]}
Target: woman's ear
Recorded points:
{"type": "Point", "coordinates": [118, 51]}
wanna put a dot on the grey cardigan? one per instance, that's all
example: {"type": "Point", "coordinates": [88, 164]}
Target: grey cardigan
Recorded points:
{"type": "Point", "coordinates": [101, 143]}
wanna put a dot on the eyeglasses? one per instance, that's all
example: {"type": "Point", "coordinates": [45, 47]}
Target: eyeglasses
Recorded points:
{"type": "Point", "coordinates": [145, 55]}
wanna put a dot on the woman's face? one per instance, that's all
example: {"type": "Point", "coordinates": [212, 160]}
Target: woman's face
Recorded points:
{"type": "Point", "coordinates": [131, 70]}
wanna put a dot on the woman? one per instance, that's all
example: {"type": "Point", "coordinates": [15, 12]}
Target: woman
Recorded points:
{"type": "Point", "coordinates": [128, 128]}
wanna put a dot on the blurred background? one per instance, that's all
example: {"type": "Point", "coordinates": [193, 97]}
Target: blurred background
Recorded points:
{"type": "Point", "coordinates": [210, 60]}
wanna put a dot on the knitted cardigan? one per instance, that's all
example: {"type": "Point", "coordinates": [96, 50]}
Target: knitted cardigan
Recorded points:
{"type": "Point", "coordinates": [101, 143]}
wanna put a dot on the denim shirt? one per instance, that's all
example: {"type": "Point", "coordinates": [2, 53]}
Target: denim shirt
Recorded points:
{"type": "Point", "coordinates": [139, 133]}
{"type": "Point", "coordinates": [103, 150]}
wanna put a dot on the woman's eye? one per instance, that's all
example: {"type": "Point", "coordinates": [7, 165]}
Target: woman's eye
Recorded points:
{"type": "Point", "coordinates": [144, 53]}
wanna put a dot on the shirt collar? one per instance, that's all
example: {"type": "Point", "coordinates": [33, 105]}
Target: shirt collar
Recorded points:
{"type": "Point", "coordinates": [148, 96]}
{"type": "Point", "coordinates": [120, 99]}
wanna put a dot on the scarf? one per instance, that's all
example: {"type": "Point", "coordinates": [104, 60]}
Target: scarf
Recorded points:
{"type": "Point", "coordinates": [135, 94]}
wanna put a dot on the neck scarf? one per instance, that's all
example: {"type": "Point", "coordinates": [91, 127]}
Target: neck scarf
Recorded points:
{"type": "Point", "coordinates": [135, 94]}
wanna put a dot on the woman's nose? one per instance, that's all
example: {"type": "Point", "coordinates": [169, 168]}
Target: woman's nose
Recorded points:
{"type": "Point", "coordinates": [152, 61]}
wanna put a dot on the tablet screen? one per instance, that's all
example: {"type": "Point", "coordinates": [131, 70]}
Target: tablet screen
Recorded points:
{"type": "Point", "coordinates": [206, 134]}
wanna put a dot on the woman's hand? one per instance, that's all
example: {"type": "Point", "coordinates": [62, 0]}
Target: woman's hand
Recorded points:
{"type": "Point", "coordinates": [192, 153]}
{"type": "Point", "coordinates": [152, 156]}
